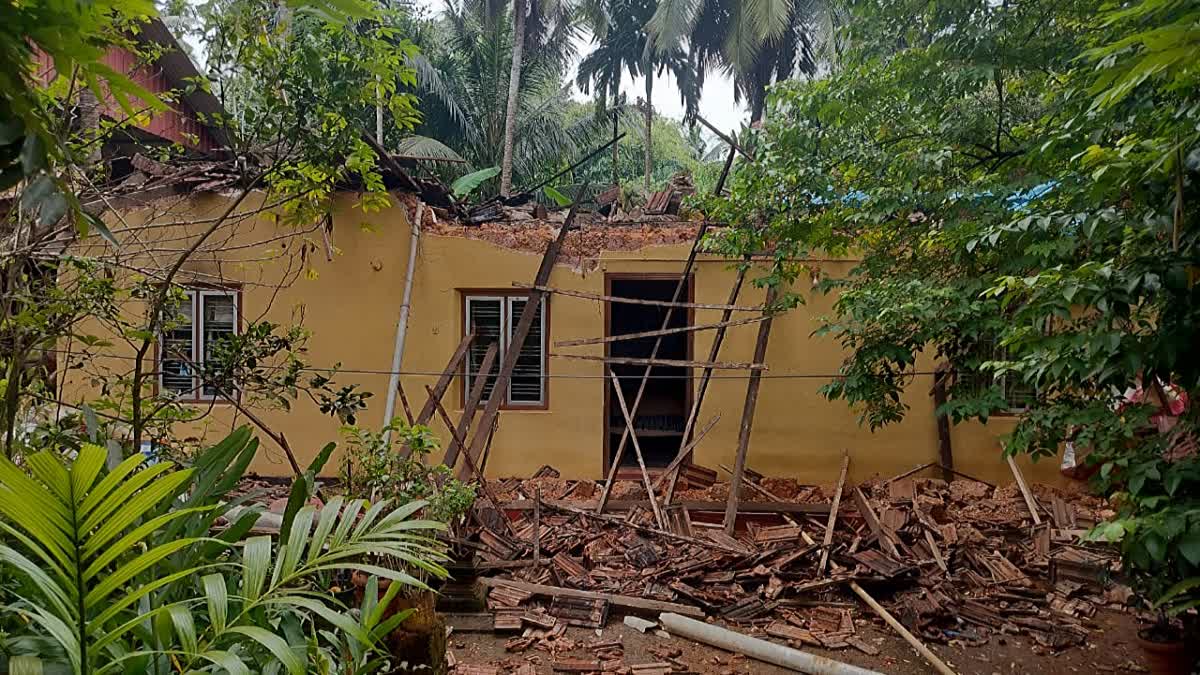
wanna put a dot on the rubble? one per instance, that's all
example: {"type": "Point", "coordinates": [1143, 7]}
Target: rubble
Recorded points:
{"type": "Point", "coordinates": [950, 561]}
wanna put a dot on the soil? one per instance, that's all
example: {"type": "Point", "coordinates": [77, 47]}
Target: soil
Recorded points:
{"type": "Point", "coordinates": [1112, 648]}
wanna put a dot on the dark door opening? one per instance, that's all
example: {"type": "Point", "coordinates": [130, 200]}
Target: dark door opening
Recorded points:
{"type": "Point", "coordinates": [661, 415]}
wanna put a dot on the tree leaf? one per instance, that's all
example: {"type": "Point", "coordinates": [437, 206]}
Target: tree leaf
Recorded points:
{"type": "Point", "coordinates": [465, 185]}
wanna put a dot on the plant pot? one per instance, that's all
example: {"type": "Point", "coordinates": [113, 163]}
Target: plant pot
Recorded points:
{"type": "Point", "coordinates": [1175, 657]}
{"type": "Point", "coordinates": [420, 640]}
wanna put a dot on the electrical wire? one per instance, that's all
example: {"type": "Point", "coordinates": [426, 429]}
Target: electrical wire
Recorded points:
{"type": "Point", "coordinates": [766, 375]}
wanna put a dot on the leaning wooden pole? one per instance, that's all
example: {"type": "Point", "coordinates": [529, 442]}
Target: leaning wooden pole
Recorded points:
{"type": "Point", "coordinates": [536, 298]}
{"type": "Point", "coordinates": [619, 453]}
{"type": "Point", "coordinates": [941, 375]}
{"type": "Point", "coordinates": [666, 323]}
{"type": "Point", "coordinates": [701, 390]}
{"type": "Point", "coordinates": [472, 403]}
{"type": "Point", "coordinates": [739, 467]}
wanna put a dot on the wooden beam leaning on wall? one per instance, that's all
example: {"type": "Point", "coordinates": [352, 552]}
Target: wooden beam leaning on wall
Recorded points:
{"type": "Point", "coordinates": [444, 380]}
{"type": "Point", "coordinates": [672, 473]}
{"type": "Point", "coordinates": [752, 386]}
{"type": "Point", "coordinates": [484, 487]}
{"type": "Point", "coordinates": [536, 298]}
{"type": "Point", "coordinates": [473, 399]}
{"type": "Point", "coordinates": [684, 279]}
{"type": "Point", "coordinates": [619, 453]}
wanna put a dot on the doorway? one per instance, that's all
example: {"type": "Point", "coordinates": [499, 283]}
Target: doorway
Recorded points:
{"type": "Point", "coordinates": [667, 400]}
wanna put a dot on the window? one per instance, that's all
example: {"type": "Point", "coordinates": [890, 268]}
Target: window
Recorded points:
{"type": "Point", "coordinates": [493, 318]}
{"type": "Point", "coordinates": [1017, 394]}
{"type": "Point", "coordinates": [201, 320]}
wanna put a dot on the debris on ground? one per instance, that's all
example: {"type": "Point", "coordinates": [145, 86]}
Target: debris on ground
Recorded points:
{"type": "Point", "coordinates": [955, 563]}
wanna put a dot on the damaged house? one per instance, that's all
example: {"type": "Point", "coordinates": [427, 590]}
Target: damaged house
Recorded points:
{"type": "Point", "coordinates": [345, 280]}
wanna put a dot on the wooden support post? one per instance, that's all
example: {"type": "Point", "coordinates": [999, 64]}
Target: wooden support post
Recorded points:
{"type": "Point", "coordinates": [483, 484]}
{"type": "Point", "coordinates": [473, 399]}
{"type": "Point", "coordinates": [833, 514]}
{"type": "Point", "coordinates": [739, 466]}
{"type": "Point", "coordinates": [945, 450]}
{"type": "Point", "coordinates": [701, 390]}
{"type": "Point", "coordinates": [766, 493]}
{"type": "Point", "coordinates": [536, 299]}
{"type": "Point", "coordinates": [637, 450]}
{"type": "Point", "coordinates": [911, 639]}
{"type": "Point", "coordinates": [443, 383]}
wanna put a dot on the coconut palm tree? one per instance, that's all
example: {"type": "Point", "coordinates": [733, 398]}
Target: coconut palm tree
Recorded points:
{"type": "Point", "coordinates": [461, 80]}
{"type": "Point", "coordinates": [623, 45]}
{"type": "Point", "coordinates": [536, 25]}
{"type": "Point", "coordinates": [757, 42]}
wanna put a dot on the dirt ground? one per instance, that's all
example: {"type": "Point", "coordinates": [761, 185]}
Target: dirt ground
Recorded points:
{"type": "Point", "coordinates": [1112, 648]}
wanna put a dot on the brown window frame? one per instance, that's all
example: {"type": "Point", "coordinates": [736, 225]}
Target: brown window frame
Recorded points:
{"type": "Point", "coordinates": [464, 294]}
{"type": "Point", "coordinates": [196, 291]}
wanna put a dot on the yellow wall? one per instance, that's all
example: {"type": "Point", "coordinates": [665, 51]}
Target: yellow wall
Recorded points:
{"type": "Point", "coordinates": [352, 302]}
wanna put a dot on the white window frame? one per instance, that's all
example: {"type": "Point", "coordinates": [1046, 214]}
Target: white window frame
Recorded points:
{"type": "Point", "coordinates": [508, 321]}
{"type": "Point", "coordinates": [195, 297]}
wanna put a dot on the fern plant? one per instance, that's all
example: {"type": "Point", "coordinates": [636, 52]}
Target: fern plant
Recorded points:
{"type": "Point", "coordinates": [90, 551]}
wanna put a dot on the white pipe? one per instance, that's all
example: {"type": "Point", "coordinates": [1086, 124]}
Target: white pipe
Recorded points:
{"type": "Point", "coordinates": [402, 323]}
{"type": "Point", "coordinates": [767, 652]}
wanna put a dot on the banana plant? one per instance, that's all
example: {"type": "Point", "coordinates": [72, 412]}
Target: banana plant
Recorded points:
{"type": "Point", "coordinates": [95, 594]}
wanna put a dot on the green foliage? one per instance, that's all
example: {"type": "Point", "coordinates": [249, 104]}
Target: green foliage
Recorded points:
{"type": "Point", "coordinates": [1015, 186]}
{"type": "Point", "coordinates": [114, 570]}
{"type": "Point", "coordinates": [391, 463]}
{"type": "Point", "coordinates": [468, 183]}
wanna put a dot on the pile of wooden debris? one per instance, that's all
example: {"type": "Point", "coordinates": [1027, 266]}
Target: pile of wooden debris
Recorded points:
{"type": "Point", "coordinates": [957, 560]}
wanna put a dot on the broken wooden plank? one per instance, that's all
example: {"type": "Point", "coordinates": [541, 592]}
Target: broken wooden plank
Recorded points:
{"type": "Point", "coordinates": [683, 454]}
{"type": "Point", "coordinates": [612, 598]}
{"type": "Point", "coordinates": [632, 301]}
{"type": "Point", "coordinates": [868, 514]}
{"type": "Point", "coordinates": [673, 363]}
{"type": "Point", "coordinates": [695, 506]}
{"type": "Point", "coordinates": [752, 386]}
{"type": "Point", "coordinates": [827, 542]}
{"type": "Point", "coordinates": [1030, 500]}
{"type": "Point", "coordinates": [911, 639]}
{"type": "Point", "coordinates": [937, 552]}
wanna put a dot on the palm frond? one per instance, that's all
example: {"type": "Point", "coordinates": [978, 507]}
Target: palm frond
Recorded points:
{"type": "Point", "coordinates": [672, 22]}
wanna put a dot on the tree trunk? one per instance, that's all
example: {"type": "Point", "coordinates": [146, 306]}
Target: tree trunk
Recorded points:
{"type": "Point", "coordinates": [648, 111]}
{"type": "Point", "coordinates": [616, 157]}
{"type": "Point", "coordinates": [514, 84]}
